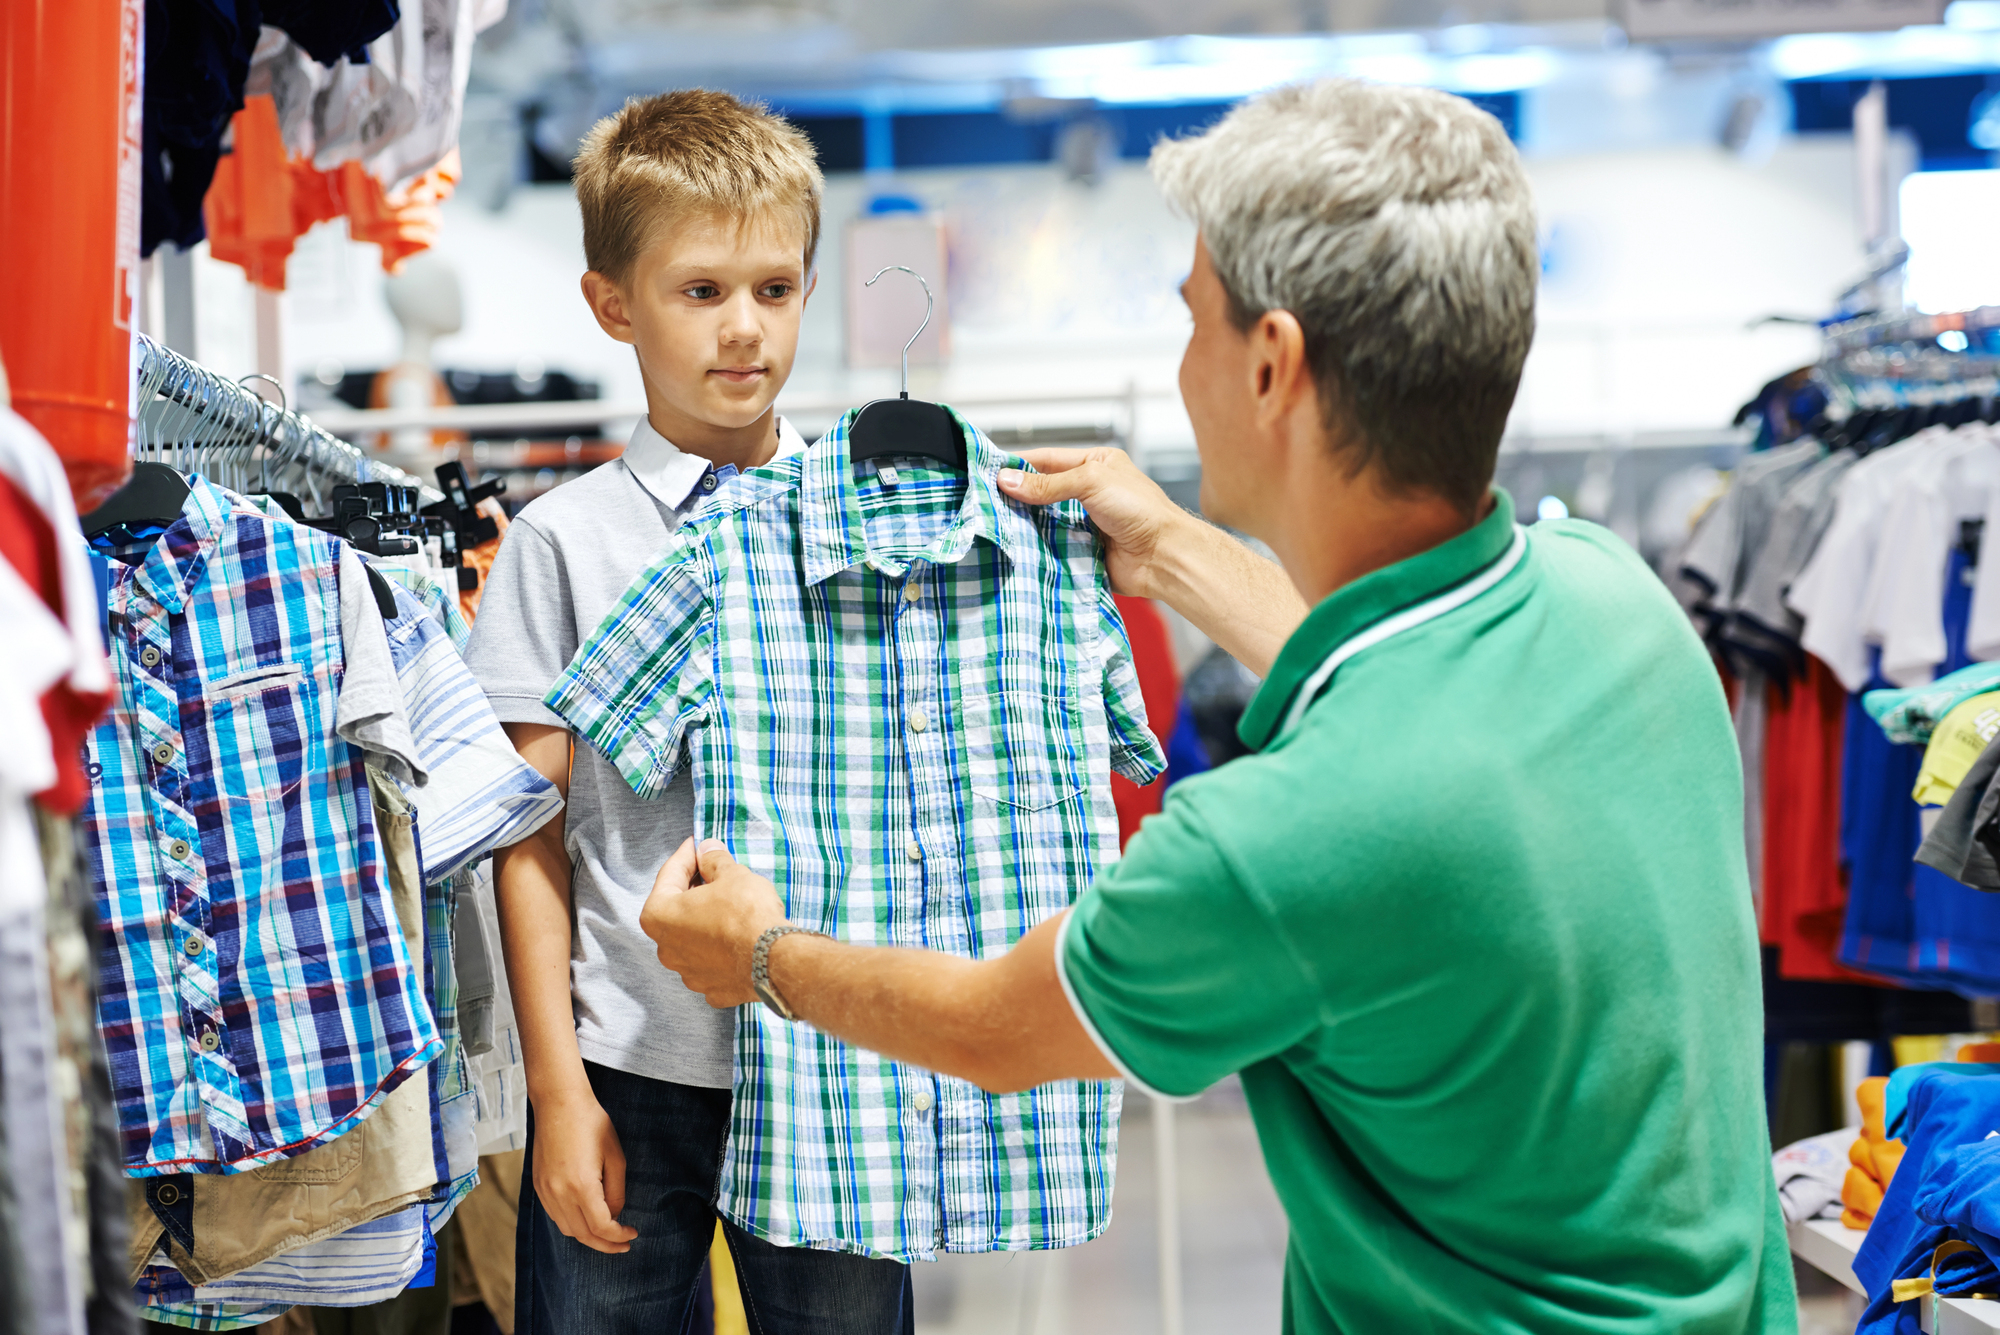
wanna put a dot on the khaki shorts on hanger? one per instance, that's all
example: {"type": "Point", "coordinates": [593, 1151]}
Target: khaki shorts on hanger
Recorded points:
{"type": "Point", "coordinates": [383, 1165]}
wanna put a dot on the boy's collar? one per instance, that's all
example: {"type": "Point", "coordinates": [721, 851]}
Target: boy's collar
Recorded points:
{"type": "Point", "coordinates": [673, 476]}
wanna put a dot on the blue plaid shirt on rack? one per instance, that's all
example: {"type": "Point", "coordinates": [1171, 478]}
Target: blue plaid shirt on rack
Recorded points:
{"type": "Point", "coordinates": [255, 995]}
{"type": "Point", "coordinates": [903, 696]}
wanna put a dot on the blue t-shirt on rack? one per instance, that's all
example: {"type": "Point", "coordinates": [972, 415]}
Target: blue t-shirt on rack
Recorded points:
{"type": "Point", "coordinates": [1907, 921]}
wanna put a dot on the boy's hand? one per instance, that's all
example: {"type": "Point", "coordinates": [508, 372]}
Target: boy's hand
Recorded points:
{"type": "Point", "coordinates": [580, 1172]}
{"type": "Point", "coordinates": [705, 915]}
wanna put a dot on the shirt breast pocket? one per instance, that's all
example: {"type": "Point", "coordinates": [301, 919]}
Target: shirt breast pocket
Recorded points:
{"type": "Point", "coordinates": [1020, 751]}
{"type": "Point", "coordinates": [1028, 824]}
{"type": "Point", "coordinates": [262, 727]}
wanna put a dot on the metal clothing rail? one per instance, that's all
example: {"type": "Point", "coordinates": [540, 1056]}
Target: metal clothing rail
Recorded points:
{"type": "Point", "coordinates": [1910, 327]}
{"type": "Point", "coordinates": [1908, 359]}
{"type": "Point", "coordinates": [192, 417]}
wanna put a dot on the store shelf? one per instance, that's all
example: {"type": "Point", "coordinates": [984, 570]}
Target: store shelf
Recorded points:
{"type": "Point", "coordinates": [1829, 1246]}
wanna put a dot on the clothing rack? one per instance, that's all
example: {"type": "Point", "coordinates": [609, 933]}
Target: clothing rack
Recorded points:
{"type": "Point", "coordinates": [1907, 327]}
{"type": "Point", "coordinates": [1911, 356]}
{"type": "Point", "coordinates": [193, 418]}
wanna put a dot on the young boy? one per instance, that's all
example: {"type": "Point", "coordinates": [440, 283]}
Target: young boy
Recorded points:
{"type": "Point", "coordinates": [701, 217]}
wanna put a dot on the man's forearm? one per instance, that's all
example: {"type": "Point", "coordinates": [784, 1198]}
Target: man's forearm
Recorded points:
{"type": "Point", "coordinates": [1243, 602]}
{"type": "Point", "coordinates": [1004, 1024]}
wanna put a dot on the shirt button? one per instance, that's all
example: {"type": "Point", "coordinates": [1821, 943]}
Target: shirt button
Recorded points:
{"type": "Point", "coordinates": [149, 656]}
{"type": "Point", "coordinates": [708, 482]}
{"type": "Point", "coordinates": [922, 1101]}
{"type": "Point", "coordinates": [912, 591]}
{"type": "Point", "coordinates": [919, 720]}
{"type": "Point", "coordinates": [163, 753]}
{"type": "Point", "coordinates": [178, 849]}
{"type": "Point", "coordinates": [210, 1040]}
{"type": "Point", "coordinates": [914, 850]}
{"type": "Point", "coordinates": [192, 946]}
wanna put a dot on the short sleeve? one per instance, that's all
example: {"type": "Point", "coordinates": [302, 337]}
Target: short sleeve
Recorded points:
{"type": "Point", "coordinates": [1828, 592]}
{"type": "Point", "coordinates": [1178, 975]}
{"type": "Point", "coordinates": [1135, 751]}
{"type": "Point", "coordinates": [1715, 548]}
{"type": "Point", "coordinates": [644, 676]}
{"type": "Point", "coordinates": [526, 631]}
{"type": "Point", "coordinates": [371, 712]}
{"type": "Point", "coordinates": [1982, 632]}
{"type": "Point", "coordinates": [481, 795]}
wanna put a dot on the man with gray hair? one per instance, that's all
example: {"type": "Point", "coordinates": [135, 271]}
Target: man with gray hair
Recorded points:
{"type": "Point", "coordinates": [1472, 922]}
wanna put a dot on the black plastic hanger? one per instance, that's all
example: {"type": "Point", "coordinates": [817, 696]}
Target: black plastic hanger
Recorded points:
{"type": "Point", "coordinates": [459, 510]}
{"type": "Point", "coordinates": [154, 494]}
{"type": "Point", "coordinates": [904, 425]}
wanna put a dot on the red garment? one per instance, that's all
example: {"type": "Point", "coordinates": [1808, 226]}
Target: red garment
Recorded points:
{"type": "Point", "coordinates": [28, 543]}
{"type": "Point", "coordinates": [1805, 889]}
{"type": "Point", "coordinates": [1160, 685]}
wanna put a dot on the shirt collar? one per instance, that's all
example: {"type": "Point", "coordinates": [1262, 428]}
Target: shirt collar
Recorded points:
{"type": "Point", "coordinates": [174, 564]}
{"type": "Point", "coordinates": [1352, 608]}
{"type": "Point", "coordinates": [672, 475]}
{"type": "Point", "coordinates": [830, 523]}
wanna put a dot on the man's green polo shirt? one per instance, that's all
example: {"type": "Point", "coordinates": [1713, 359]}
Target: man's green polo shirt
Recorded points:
{"type": "Point", "coordinates": [1477, 933]}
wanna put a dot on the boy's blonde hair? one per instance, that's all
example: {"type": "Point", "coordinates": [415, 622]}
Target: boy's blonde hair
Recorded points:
{"type": "Point", "coordinates": [661, 158]}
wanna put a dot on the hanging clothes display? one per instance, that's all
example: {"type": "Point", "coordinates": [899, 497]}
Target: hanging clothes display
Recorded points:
{"type": "Point", "coordinates": [198, 55]}
{"type": "Point", "coordinates": [261, 202]}
{"type": "Point", "coordinates": [1832, 582]}
{"type": "Point", "coordinates": [394, 108]}
{"type": "Point", "coordinates": [254, 678]}
{"type": "Point", "coordinates": [62, 1224]}
{"type": "Point", "coordinates": [264, 118]}
{"type": "Point", "coordinates": [901, 696]}
{"type": "Point", "coordinates": [282, 828]}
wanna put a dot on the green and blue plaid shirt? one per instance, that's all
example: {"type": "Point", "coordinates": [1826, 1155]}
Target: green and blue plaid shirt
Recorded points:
{"type": "Point", "coordinates": [903, 696]}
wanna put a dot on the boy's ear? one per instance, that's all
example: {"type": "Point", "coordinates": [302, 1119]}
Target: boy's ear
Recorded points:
{"type": "Point", "coordinates": [607, 303]}
{"type": "Point", "coordinates": [812, 281]}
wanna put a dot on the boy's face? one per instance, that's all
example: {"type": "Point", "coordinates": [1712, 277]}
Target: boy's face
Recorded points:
{"type": "Point", "coordinates": [712, 306]}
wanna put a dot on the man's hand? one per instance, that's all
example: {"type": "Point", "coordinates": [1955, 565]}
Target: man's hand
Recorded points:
{"type": "Point", "coordinates": [580, 1172]}
{"type": "Point", "coordinates": [705, 915]}
{"type": "Point", "coordinates": [1158, 550]}
{"type": "Point", "coordinates": [1129, 508]}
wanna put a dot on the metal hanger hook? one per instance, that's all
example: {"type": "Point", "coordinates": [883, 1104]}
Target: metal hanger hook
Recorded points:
{"type": "Point", "coordinates": [930, 304]}
{"type": "Point", "coordinates": [284, 400]}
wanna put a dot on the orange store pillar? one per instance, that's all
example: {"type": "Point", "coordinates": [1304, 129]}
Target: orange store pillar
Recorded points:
{"type": "Point", "coordinates": [69, 225]}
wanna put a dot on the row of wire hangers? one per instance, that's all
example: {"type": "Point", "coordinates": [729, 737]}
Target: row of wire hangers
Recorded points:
{"type": "Point", "coordinates": [195, 421]}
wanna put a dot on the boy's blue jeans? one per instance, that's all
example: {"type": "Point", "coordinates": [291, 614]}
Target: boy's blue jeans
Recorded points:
{"type": "Point", "coordinates": [672, 1136]}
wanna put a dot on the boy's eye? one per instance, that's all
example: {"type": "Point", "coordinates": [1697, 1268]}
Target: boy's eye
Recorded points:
{"type": "Point", "coordinates": [704, 292]}
{"type": "Point", "coordinates": [777, 291]}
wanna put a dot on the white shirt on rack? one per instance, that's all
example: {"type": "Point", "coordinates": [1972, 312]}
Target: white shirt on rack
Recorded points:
{"type": "Point", "coordinates": [1831, 593]}
{"type": "Point", "coordinates": [1949, 482]}
{"type": "Point", "coordinates": [1982, 636]}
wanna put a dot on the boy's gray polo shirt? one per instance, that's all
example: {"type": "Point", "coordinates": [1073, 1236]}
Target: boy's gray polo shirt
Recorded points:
{"type": "Point", "coordinates": [565, 562]}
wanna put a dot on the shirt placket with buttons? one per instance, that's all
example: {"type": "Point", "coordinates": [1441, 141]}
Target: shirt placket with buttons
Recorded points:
{"type": "Point", "coordinates": [919, 652]}
{"type": "Point", "coordinates": [951, 1115]}
{"type": "Point", "coordinates": [179, 866]}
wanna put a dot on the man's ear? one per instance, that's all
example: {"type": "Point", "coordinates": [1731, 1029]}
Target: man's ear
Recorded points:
{"type": "Point", "coordinates": [1280, 376]}
{"type": "Point", "coordinates": [607, 303]}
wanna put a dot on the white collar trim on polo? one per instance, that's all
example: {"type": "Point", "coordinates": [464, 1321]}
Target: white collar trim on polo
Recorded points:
{"type": "Point", "coordinates": [671, 474]}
